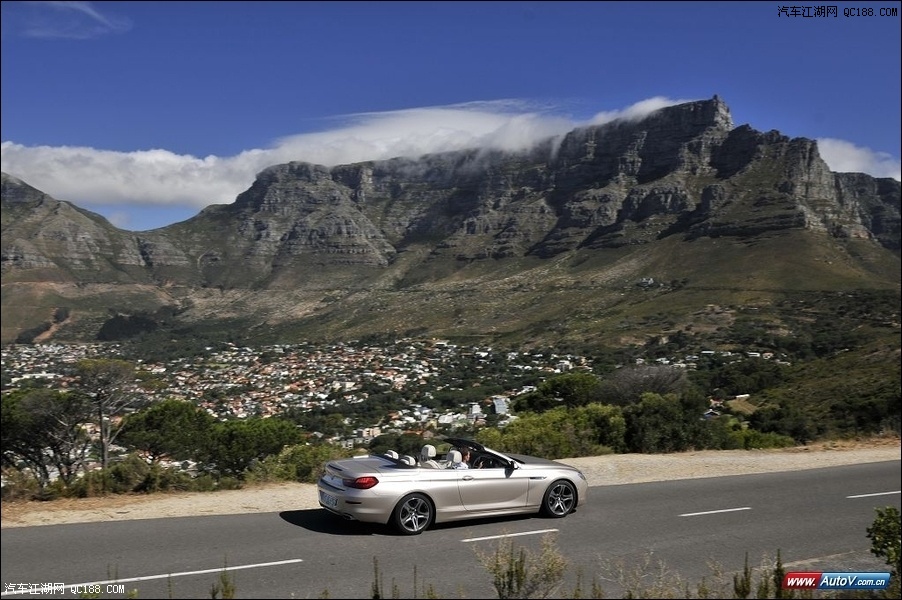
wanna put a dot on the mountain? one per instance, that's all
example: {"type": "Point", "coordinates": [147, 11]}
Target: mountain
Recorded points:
{"type": "Point", "coordinates": [610, 233]}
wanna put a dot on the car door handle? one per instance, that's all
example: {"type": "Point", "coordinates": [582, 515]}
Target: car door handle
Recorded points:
{"type": "Point", "coordinates": [467, 478]}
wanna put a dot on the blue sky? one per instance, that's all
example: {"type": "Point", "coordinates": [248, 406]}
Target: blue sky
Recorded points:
{"type": "Point", "coordinates": [145, 112]}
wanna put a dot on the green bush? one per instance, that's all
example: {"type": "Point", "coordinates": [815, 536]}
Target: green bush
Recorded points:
{"type": "Point", "coordinates": [204, 483]}
{"type": "Point", "coordinates": [752, 439]}
{"type": "Point", "coordinates": [590, 430]}
{"type": "Point", "coordinates": [19, 485]}
{"type": "Point", "coordinates": [161, 479]}
{"type": "Point", "coordinates": [301, 463]}
{"type": "Point", "coordinates": [885, 534]}
{"type": "Point", "coordinates": [119, 478]}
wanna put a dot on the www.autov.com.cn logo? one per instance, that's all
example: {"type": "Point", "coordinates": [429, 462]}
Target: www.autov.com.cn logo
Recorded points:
{"type": "Point", "coordinates": [822, 580]}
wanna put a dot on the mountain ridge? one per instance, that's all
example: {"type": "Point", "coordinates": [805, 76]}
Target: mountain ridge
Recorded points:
{"type": "Point", "coordinates": [416, 245]}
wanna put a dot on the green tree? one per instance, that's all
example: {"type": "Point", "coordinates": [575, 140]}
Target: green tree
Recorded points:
{"type": "Point", "coordinates": [44, 430]}
{"type": "Point", "coordinates": [405, 443]}
{"type": "Point", "coordinates": [609, 426]}
{"type": "Point", "coordinates": [171, 428]}
{"type": "Point", "coordinates": [569, 389]}
{"type": "Point", "coordinates": [573, 389]}
{"type": "Point", "coordinates": [111, 385]}
{"type": "Point", "coordinates": [234, 446]}
{"type": "Point", "coordinates": [786, 419]}
{"type": "Point", "coordinates": [657, 424]}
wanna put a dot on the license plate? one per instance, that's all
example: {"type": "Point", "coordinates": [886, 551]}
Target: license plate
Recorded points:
{"type": "Point", "coordinates": [328, 499]}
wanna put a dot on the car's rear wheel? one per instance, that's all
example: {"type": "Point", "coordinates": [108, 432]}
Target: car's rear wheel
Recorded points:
{"type": "Point", "coordinates": [559, 500]}
{"type": "Point", "coordinates": [413, 514]}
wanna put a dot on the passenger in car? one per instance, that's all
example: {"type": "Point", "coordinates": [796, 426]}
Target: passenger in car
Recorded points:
{"type": "Point", "coordinates": [456, 460]}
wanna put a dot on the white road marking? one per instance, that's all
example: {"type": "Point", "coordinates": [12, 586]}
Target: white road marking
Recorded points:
{"type": "Point", "coordinates": [498, 537]}
{"type": "Point", "coordinates": [875, 494]}
{"type": "Point", "coordinates": [714, 512]}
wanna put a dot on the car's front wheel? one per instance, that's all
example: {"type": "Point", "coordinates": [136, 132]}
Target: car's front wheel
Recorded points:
{"type": "Point", "coordinates": [413, 514]}
{"type": "Point", "coordinates": [560, 499]}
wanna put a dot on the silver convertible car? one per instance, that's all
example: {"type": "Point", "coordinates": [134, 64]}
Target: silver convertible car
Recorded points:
{"type": "Point", "coordinates": [412, 493]}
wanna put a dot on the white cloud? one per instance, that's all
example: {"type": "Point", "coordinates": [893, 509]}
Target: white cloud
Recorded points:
{"type": "Point", "coordinates": [87, 175]}
{"type": "Point", "coordinates": [506, 125]}
{"type": "Point", "coordinates": [636, 111]}
{"type": "Point", "coordinates": [160, 177]}
{"type": "Point", "coordinates": [61, 20]}
{"type": "Point", "coordinates": [845, 157]}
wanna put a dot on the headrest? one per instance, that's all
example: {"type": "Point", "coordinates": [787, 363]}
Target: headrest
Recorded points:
{"type": "Point", "coordinates": [408, 460]}
{"type": "Point", "coordinates": [427, 452]}
{"type": "Point", "coordinates": [391, 454]}
{"type": "Point", "coordinates": [455, 457]}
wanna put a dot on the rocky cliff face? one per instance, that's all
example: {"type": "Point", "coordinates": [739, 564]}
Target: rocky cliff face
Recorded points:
{"type": "Point", "coordinates": [46, 239]}
{"type": "Point", "coordinates": [683, 173]}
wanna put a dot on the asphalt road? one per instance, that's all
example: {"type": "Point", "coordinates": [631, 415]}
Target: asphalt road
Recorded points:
{"type": "Point", "coordinates": [816, 519]}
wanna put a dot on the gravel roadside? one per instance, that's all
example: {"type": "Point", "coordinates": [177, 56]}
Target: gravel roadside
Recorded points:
{"type": "Point", "coordinates": [616, 469]}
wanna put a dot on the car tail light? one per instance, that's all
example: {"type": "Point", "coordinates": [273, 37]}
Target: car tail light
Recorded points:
{"type": "Point", "coordinates": [361, 483]}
